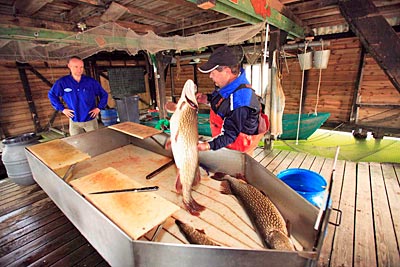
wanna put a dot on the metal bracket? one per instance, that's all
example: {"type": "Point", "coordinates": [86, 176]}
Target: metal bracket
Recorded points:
{"type": "Point", "coordinates": [338, 217]}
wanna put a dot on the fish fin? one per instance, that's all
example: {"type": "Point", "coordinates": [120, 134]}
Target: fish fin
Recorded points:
{"type": "Point", "coordinates": [226, 188]}
{"type": "Point", "coordinates": [177, 135]}
{"type": "Point", "coordinates": [178, 184]}
{"type": "Point", "coordinates": [241, 177]}
{"type": "Point", "coordinates": [289, 227]}
{"type": "Point", "coordinates": [170, 107]}
{"type": "Point", "coordinates": [197, 178]}
{"type": "Point", "coordinates": [167, 145]}
{"type": "Point", "coordinates": [218, 176]}
{"type": "Point", "coordinates": [201, 231]}
{"type": "Point", "coordinates": [193, 207]}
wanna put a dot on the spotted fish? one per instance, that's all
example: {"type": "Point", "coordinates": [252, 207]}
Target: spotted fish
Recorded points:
{"type": "Point", "coordinates": [194, 236]}
{"type": "Point", "coordinates": [184, 139]}
{"type": "Point", "coordinates": [266, 217]}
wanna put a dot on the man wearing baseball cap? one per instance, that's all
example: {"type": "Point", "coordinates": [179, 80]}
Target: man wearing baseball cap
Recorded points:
{"type": "Point", "coordinates": [236, 118]}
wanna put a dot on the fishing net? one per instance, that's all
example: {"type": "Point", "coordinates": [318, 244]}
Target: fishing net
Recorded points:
{"type": "Point", "coordinates": [111, 37]}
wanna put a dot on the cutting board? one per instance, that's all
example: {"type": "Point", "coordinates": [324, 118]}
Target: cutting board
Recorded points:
{"type": "Point", "coordinates": [135, 129]}
{"type": "Point", "coordinates": [135, 213]}
{"type": "Point", "coordinates": [58, 155]}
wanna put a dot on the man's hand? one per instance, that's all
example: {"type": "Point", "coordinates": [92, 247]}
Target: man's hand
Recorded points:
{"type": "Point", "coordinates": [201, 98]}
{"type": "Point", "coordinates": [203, 146]}
{"type": "Point", "coordinates": [68, 112]}
{"type": "Point", "coordinates": [94, 112]}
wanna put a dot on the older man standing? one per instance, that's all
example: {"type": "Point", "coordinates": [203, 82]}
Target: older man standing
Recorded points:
{"type": "Point", "coordinates": [80, 93]}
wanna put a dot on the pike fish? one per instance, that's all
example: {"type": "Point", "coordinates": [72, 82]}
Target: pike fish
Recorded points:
{"type": "Point", "coordinates": [184, 139]}
{"type": "Point", "coordinates": [194, 236]}
{"type": "Point", "coordinates": [265, 216]}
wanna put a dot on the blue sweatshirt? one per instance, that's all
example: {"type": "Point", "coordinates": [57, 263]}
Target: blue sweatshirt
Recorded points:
{"type": "Point", "coordinates": [80, 97]}
{"type": "Point", "coordinates": [240, 111]}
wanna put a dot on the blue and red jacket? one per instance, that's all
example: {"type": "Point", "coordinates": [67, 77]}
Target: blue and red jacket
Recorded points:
{"type": "Point", "coordinates": [235, 115]}
{"type": "Point", "coordinates": [80, 97]}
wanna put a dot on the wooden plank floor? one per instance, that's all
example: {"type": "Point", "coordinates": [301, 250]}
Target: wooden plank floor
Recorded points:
{"type": "Point", "coordinates": [34, 232]}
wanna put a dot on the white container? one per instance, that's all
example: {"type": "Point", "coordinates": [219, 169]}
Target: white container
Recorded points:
{"type": "Point", "coordinates": [305, 60]}
{"type": "Point", "coordinates": [14, 158]}
{"type": "Point", "coordinates": [321, 59]}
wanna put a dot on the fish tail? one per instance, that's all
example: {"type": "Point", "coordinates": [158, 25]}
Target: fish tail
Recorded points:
{"type": "Point", "coordinates": [193, 207]}
{"type": "Point", "coordinates": [178, 184]}
{"type": "Point", "coordinates": [278, 240]}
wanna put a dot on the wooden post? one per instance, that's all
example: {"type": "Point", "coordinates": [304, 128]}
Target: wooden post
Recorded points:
{"type": "Point", "coordinates": [162, 61]}
{"type": "Point", "coordinates": [28, 96]}
{"type": "Point", "coordinates": [355, 102]}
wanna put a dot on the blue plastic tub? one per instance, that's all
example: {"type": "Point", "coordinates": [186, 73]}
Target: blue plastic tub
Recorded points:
{"type": "Point", "coordinates": [307, 183]}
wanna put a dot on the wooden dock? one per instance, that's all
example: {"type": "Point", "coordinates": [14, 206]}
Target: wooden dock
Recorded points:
{"type": "Point", "coordinates": [34, 232]}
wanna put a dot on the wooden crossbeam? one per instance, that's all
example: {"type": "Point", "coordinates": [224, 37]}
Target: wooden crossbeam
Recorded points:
{"type": "Point", "coordinates": [376, 35]}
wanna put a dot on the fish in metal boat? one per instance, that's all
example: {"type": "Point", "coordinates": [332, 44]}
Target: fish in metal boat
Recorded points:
{"type": "Point", "coordinates": [266, 217]}
{"type": "Point", "coordinates": [183, 142]}
{"type": "Point", "coordinates": [195, 236]}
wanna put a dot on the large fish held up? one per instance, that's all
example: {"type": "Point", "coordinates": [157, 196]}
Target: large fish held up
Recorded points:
{"type": "Point", "coordinates": [184, 139]}
{"type": "Point", "coordinates": [266, 217]}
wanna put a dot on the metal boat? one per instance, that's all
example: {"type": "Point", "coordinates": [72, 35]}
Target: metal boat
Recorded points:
{"type": "Point", "coordinates": [308, 223]}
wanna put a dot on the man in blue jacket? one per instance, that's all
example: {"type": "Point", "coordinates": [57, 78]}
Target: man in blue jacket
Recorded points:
{"type": "Point", "coordinates": [80, 93]}
{"type": "Point", "coordinates": [236, 118]}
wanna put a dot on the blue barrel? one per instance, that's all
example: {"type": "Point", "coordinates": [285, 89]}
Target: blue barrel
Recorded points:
{"type": "Point", "coordinates": [109, 116]}
{"type": "Point", "coordinates": [307, 183]}
{"type": "Point", "coordinates": [14, 158]}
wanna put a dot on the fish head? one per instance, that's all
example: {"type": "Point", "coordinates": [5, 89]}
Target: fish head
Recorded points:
{"type": "Point", "coordinates": [188, 96]}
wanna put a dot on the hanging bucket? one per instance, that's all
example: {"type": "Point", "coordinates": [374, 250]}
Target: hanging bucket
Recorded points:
{"type": "Point", "coordinates": [305, 60]}
{"type": "Point", "coordinates": [109, 116]}
{"type": "Point", "coordinates": [321, 59]}
{"type": "Point", "coordinates": [14, 158]}
{"type": "Point", "coordinates": [307, 183]}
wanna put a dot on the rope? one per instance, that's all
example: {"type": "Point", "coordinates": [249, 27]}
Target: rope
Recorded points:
{"type": "Point", "coordinates": [319, 79]}
{"type": "Point", "coordinates": [284, 57]}
{"type": "Point", "coordinates": [301, 93]}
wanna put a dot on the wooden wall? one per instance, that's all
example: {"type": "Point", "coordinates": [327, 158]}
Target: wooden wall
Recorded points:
{"type": "Point", "coordinates": [339, 88]}
{"type": "Point", "coordinates": [180, 74]}
{"type": "Point", "coordinates": [15, 114]}
{"type": "Point", "coordinates": [338, 81]}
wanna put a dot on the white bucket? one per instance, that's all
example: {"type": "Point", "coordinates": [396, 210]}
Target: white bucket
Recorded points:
{"type": "Point", "coordinates": [321, 59]}
{"type": "Point", "coordinates": [305, 60]}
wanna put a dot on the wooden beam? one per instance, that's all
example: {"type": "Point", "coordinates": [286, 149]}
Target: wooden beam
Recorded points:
{"type": "Point", "coordinates": [82, 12]}
{"type": "Point", "coordinates": [207, 18]}
{"type": "Point", "coordinates": [114, 12]}
{"type": "Point", "coordinates": [30, 7]}
{"type": "Point", "coordinates": [28, 96]}
{"type": "Point", "coordinates": [216, 26]}
{"type": "Point", "coordinates": [376, 35]}
{"type": "Point", "coordinates": [255, 12]}
{"type": "Point", "coordinates": [142, 13]}
{"type": "Point", "coordinates": [357, 87]}
{"type": "Point", "coordinates": [140, 28]}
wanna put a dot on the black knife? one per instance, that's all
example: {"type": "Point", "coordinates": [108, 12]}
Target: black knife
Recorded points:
{"type": "Point", "coordinates": [140, 189]}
